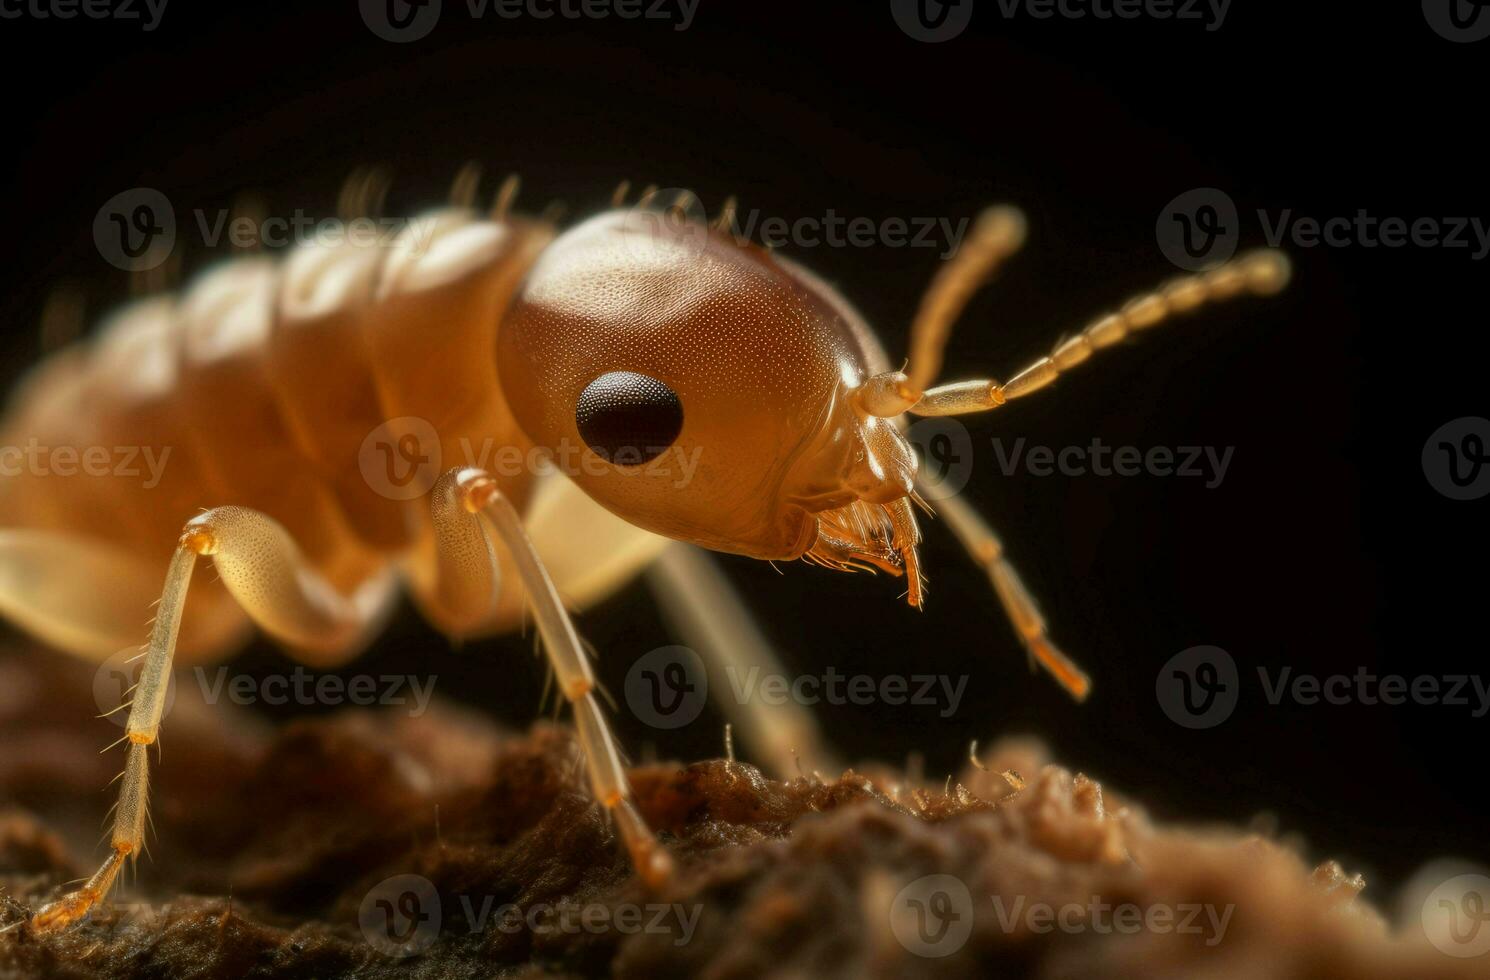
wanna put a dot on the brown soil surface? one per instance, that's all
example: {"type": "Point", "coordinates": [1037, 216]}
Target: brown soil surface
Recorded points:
{"type": "Point", "coordinates": [273, 851]}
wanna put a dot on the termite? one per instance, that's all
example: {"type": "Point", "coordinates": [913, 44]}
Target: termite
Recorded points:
{"type": "Point", "coordinates": [617, 340]}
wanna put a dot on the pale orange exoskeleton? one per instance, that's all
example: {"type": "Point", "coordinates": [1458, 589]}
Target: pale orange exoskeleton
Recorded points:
{"type": "Point", "coordinates": [691, 389]}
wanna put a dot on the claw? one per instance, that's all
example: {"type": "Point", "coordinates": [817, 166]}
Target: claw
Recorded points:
{"type": "Point", "coordinates": [56, 916]}
{"type": "Point", "coordinates": [75, 905]}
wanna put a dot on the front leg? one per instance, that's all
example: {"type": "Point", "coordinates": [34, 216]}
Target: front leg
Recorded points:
{"type": "Point", "coordinates": [266, 573]}
{"type": "Point", "coordinates": [459, 502]}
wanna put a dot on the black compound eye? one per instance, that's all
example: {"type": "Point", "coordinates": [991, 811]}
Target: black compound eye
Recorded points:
{"type": "Point", "coordinates": [628, 418]}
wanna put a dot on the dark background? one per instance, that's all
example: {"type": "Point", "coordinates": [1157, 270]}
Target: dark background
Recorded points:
{"type": "Point", "coordinates": [1325, 549]}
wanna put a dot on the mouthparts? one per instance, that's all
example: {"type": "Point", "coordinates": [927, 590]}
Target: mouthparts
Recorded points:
{"type": "Point", "coordinates": [865, 536]}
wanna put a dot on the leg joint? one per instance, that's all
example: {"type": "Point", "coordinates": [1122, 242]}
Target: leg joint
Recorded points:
{"type": "Point", "coordinates": [197, 535]}
{"type": "Point", "coordinates": [477, 488]}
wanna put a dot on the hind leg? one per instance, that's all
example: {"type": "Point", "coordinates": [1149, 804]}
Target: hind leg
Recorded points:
{"type": "Point", "coordinates": [264, 571]}
{"type": "Point", "coordinates": [701, 604]}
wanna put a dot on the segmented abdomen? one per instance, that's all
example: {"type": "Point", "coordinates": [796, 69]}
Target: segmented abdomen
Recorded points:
{"type": "Point", "coordinates": [261, 386]}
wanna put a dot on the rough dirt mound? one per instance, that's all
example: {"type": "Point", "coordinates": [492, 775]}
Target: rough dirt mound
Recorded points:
{"type": "Point", "coordinates": [443, 847]}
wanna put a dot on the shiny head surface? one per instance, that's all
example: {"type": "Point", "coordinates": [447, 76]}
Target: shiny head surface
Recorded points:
{"type": "Point", "coordinates": [701, 389]}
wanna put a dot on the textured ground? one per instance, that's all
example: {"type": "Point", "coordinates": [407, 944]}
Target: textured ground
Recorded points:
{"type": "Point", "coordinates": [274, 851]}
